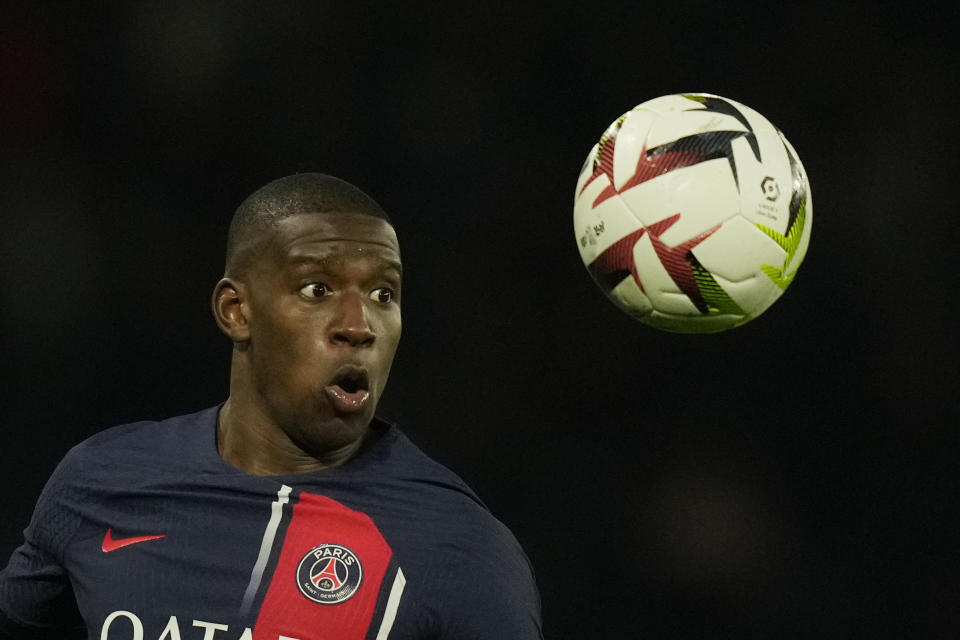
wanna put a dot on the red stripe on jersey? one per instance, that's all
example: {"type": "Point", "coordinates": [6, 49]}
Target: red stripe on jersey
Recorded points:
{"type": "Point", "coordinates": [327, 545]}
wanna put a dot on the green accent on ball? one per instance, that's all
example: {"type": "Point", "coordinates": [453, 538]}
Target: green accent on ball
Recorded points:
{"type": "Point", "coordinates": [718, 301]}
{"type": "Point", "coordinates": [611, 132]}
{"type": "Point", "coordinates": [695, 97]}
{"type": "Point", "coordinates": [788, 243]}
{"type": "Point", "coordinates": [601, 145]}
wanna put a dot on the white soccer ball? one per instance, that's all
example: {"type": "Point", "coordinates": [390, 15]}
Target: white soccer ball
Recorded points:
{"type": "Point", "coordinates": [692, 213]}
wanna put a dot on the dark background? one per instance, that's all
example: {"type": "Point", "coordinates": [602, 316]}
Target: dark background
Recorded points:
{"type": "Point", "coordinates": [793, 477]}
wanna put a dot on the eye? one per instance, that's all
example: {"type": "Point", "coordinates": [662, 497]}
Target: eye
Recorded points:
{"type": "Point", "coordinates": [383, 294]}
{"type": "Point", "coordinates": [315, 290]}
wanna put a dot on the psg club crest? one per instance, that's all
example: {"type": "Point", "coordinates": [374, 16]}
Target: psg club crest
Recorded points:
{"type": "Point", "coordinates": [329, 574]}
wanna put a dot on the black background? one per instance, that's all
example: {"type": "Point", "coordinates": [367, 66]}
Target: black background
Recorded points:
{"type": "Point", "coordinates": [793, 477]}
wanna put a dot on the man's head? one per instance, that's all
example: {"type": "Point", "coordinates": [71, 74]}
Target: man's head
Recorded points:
{"type": "Point", "coordinates": [310, 299]}
{"type": "Point", "coordinates": [300, 193]}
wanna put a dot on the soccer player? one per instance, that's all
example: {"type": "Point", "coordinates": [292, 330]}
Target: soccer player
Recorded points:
{"type": "Point", "coordinates": [289, 511]}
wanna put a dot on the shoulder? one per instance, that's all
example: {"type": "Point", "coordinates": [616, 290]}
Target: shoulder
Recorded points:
{"type": "Point", "coordinates": [465, 562]}
{"type": "Point", "coordinates": [399, 467]}
{"type": "Point", "coordinates": [111, 460]}
{"type": "Point", "coordinates": [407, 485]}
{"type": "Point", "coordinates": [117, 458]}
{"type": "Point", "coordinates": [173, 442]}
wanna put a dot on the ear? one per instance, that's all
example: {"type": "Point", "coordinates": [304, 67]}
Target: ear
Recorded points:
{"type": "Point", "coordinates": [230, 309]}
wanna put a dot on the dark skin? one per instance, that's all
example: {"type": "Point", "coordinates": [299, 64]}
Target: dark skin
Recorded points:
{"type": "Point", "coordinates": [312, 306]}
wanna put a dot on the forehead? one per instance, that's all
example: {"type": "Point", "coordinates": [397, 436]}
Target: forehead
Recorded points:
{"type": "Point", "coordinates": [320, 235]}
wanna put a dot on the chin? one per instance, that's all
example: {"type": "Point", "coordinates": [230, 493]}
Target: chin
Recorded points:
{"type": "Point", "coordinates": [331, 435]}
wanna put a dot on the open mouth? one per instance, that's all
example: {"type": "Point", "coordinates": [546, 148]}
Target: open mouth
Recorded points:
{"type": "Point", "coordinates": [348, 390]}
{"type": "Point", "coordinates": [351, 379]}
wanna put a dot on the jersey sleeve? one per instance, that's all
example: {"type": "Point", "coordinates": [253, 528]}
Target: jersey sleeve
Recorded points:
{"type": "Point", "coordinates": [36, 598]}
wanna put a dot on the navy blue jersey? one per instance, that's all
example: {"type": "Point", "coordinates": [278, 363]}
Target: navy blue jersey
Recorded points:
{"type": "Point", "coordinates": [144, 533]}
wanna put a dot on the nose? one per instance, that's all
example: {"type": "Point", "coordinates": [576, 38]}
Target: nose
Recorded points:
{"type": "Point", "coordinates": [350, 325]}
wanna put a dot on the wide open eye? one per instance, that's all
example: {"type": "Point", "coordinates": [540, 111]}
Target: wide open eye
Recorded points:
{"type": "Point", "coordinates": [382, 294]}
{"type": "Point", "coordinates": [315, 290]}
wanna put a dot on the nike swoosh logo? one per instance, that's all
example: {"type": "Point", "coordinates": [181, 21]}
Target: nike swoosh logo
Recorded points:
{"type": "Point", "coordinates": [112, 544]}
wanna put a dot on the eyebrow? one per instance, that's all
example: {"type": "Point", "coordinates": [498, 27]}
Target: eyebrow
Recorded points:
{"type": "Point", "coordinates": [297, 261]}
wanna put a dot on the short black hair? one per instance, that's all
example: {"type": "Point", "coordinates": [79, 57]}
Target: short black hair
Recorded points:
{"type": "Point", "coordinates": [296, 194]}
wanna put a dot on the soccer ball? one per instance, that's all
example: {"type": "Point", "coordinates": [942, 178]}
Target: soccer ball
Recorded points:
{"type": "Point", "coordinates": [692, 213]}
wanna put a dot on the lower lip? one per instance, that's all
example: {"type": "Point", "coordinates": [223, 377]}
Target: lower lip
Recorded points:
{"type": "Point", "coordinates": [346, 401]}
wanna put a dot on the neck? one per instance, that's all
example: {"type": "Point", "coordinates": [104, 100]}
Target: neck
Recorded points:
{"type": "Point", "coordinates": [250, 439]}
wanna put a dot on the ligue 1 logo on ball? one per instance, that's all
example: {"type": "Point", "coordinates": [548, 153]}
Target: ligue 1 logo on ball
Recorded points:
{"type": "Point", "coordinates": [329, 574]}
